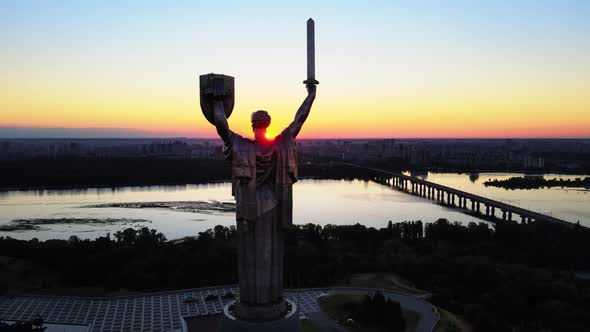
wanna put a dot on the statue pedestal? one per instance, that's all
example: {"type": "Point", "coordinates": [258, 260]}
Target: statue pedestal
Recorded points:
{"type": "Point", "coordinates": [286, 322]}
{"type": "Point", "coordinates": [257, 313]}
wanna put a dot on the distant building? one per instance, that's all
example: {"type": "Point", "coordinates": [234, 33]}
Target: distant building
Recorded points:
{"type": "Point", "coordinates": [533, 162]}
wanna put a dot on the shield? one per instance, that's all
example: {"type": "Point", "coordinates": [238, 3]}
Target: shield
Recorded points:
{"type": "Point", "coordinates": [215, 87]}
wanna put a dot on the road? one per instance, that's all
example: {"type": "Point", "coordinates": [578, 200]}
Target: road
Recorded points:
{"type": "Point", "coordinates": [426, 321]}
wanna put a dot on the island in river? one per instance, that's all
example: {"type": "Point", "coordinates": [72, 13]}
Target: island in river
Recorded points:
{"type": "Point", "coordinates": [537, 182]}
{"type": "Point", "coordinates": [37, 223]}
{"type": "Point", "coordinates": [183, 206]}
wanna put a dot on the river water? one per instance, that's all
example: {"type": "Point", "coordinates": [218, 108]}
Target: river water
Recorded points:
{"type": "Point", "coordinates": [315, 201]}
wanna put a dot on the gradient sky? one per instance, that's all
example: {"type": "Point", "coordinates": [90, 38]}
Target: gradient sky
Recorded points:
{"type": "Point", "coordinates": [386, 68]}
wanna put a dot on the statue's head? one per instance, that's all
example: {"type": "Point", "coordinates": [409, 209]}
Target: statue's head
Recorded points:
{"type": "Point", "coordinates": [260, 121]}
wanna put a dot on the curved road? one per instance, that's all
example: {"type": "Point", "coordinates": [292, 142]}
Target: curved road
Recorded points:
{"type": "Point", "coordinates": [426, 321]}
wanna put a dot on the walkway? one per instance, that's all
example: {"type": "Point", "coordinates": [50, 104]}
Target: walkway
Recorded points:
{"type": "Point", "coordinates": [164, 311]}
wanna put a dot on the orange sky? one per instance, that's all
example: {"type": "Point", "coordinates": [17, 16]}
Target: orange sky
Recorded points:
{"type": "Point", "coordinates": [431, 72]}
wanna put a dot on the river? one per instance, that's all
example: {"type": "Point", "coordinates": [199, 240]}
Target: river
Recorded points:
{"type": "Point", "coordinates": [315, 201]}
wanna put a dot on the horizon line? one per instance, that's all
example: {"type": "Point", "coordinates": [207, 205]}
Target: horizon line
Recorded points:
{"type": "Point", "coordinates": [309, 138]}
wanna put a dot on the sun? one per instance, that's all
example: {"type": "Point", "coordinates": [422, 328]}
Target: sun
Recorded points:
{"type": "Point", "coordinates": [267, 135]}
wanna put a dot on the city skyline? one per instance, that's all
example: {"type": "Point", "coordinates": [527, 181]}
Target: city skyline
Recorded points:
{"type": "Point", "coordinates": [398, 70]}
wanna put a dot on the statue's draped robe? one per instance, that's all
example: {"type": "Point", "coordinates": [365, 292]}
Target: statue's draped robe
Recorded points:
{"type": "Point", "coordinates": [262, 178]}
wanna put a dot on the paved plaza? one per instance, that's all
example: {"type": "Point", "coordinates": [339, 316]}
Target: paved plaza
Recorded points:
{"type": "Point", "coordinates": [146, 312]}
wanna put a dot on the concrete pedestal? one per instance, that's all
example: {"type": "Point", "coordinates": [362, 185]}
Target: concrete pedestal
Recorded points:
{"type": "Point", "coordinates": [266, 312]}
{"type": "Point", "coordinates": [289, 322]}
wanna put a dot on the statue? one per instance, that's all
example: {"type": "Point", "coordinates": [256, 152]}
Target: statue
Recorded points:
{"type": "Point", "coordinates": [263, 173]}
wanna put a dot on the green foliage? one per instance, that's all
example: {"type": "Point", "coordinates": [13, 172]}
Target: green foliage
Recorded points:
{"type": "Point", "coordinates": [376, 310]}
{"type": "Point", "coordinates": [91, 171]}
{"type": "Point", "coordinates": [340, 307]}
{"type": "Point", "coordinates": [369, 312]}
{"type": "Point", "coordinates": [35, 325]}
{"type": "Point", "coordinates": [451, 327]}
{"type": "Point", "coordinates": [135, 260]}
{"type": "Point", "coordinates": [503, 278]}
{"type": "Point", "coordinates": [536, 182]}
{"type": "Point", "coordinates": [307, 326]}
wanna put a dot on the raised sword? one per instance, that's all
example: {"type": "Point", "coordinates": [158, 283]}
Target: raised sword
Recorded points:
{"type": "Point", "coordinates": [310, 54]}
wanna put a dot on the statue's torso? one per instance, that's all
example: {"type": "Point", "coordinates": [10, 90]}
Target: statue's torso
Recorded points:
{"type": "Point", "coordinates": [266, 164]}
{"type": "Point", "coordinates": [263, 175]}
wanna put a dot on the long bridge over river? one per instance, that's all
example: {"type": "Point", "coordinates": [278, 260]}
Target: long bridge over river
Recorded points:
{"type": "Point", "coordinates": [459, 199]}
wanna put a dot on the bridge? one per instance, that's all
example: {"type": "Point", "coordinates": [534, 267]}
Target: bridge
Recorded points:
{"type": "Point", "coordinates": [452, 197]}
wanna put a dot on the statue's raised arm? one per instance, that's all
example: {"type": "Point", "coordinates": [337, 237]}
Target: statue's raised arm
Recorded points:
{"type": "Point", "coordinates": [310, 83]}
{"type": "Point", "coordinates": [220, 121]}
{"type": "Point", "coordinates": [303, 111]}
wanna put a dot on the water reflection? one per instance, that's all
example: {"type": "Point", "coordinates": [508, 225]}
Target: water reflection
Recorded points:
{"type": "Point", "coordinates": [317, 201]}
{"type": "Point", "coordinates": [107, 190]}
{"type": "Point", "coordinates": [563, 203]}
{"type": "Point", "coordinates": [419, 174]}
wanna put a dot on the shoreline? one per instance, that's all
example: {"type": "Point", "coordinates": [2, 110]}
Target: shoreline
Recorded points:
{"type": "Point", "coordinates": [68, 187]}
{"type": "Point", "coordinates": [312, 177]}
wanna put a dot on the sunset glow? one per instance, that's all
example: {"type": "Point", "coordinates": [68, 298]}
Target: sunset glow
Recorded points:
{"type": "Point", "coordinates": [385, 70]}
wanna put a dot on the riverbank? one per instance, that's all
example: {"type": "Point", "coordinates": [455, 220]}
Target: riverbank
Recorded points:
{"type": "Point", "coordinates": [112, 173]}
{"type": "Point", "coordinates": [51, 174]}
{"type": "Point", "coordinates": [38, 223]}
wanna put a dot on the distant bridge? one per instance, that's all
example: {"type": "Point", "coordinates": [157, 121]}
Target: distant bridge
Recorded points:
{"type": "Point", "coordinates": [457, 198]}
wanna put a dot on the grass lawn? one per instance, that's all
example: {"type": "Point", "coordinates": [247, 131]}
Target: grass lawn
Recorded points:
{"type": "Point", "coordinates": [387, 281]}
{"type": "Point", "coordinates": [340, 307]}
{"type": "Point", "coordinates": [307, 326]}
{"type": "Point", "coordinates": [19, 276]}
{"type": "Point", "coordinates": [447, 318]}
{"type": "Point", "coordinates": [411, 318]}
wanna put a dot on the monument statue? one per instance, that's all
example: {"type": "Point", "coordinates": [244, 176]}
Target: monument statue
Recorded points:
{"type": "Point", "coordinates": [263, 173]}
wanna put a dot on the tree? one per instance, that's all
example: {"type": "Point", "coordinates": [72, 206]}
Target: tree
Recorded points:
{"type": "Point", "coordinates": [35, 325]}
{"type": "Point", "coordinates": [376, 310]}
{"type": "Point", "coordinates": [206, 235]}
{"type": "Point", "coordinates": [393, 320]}
{"type": "Point", "coordinates": [220, 232]}
{"type": "Point", "coordinates": [127, 236]}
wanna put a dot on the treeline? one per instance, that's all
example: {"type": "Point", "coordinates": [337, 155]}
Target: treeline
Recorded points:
{"type": "Point", "coordinates": [513, 276]}
{"type": "Point", "coordinates": [380, 312]}
{"type": "Point", "coordinates": [536, 182]}
{"type": "Point", "coordinates": [77, 172]}
{"type": "Point", "coordinates": [113, 172]}
{"type": "Point", "coordinates": [35, 325]}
